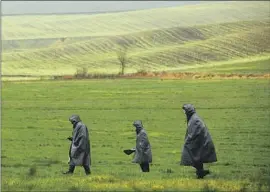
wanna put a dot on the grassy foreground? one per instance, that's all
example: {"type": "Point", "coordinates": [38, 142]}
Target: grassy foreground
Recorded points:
{"type": "Point", "coordinates": [35, 126]}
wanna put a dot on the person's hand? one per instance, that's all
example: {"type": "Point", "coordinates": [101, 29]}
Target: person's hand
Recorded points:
{"type": "Point", "coordinates": [69, 138]}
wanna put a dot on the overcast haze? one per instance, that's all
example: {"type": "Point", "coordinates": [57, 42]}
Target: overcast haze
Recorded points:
{"type": "Point", "coordinates": [47, 7]}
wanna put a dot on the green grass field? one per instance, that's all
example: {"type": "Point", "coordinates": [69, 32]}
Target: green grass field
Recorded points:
{"type": "Point", "coordinates": [35, 126]}
{"type": "Point", "coordinates": [157, 39]}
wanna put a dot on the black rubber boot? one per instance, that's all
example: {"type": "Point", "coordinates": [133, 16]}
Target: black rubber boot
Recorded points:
{"type": "Point", "coordinates": [202, 173]}
{"type": "Point", "coordinates": [71, 170]}
{"type": "Point", "coordinates": [87, 169]}
{"type": "Point", "coordinates": [200, 170]}
{"type": "Point", "coordinates": [145, 167]}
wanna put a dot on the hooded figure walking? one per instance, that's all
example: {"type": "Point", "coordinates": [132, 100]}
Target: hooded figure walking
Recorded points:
{"type": "Point", "coordinates": [143, 153]}
{"type": "Point", "coordinates": [198, 147]}
{"type": "Point", "coordinates": [79, 152]}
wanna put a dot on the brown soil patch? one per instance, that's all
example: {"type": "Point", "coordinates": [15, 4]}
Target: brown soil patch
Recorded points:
{"type": "Point", "coordinates": [167, 75]}
{"type": "Point", "coordinates": [158, 75]}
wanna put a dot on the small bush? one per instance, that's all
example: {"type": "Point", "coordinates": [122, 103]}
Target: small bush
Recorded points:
{"type": "Point", "coordinates": [102, 76]}
{"type": "Point", "coordinates": [156, 73]}
{"type": "Point", "coordinates": [142, 72]}
{"type": "Point", "coordinates": [81, 73]}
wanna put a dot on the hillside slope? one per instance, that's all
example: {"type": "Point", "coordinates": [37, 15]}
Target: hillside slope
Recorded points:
{"type": "Point", "coordinates": [165, 48]}
{"type": "Point", "coordinates": [33, 27]}
{"type": "Point", "coordinates": [151, 50]}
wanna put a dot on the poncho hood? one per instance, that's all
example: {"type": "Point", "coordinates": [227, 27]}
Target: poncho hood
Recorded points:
{"type": "Point", "coordinates": [189, 109]}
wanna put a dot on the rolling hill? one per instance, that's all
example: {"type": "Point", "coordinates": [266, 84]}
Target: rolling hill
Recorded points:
{"type": "Point", "coordinates": [87, 7]}
{"type": "Point", "coordinates": [157, 39]}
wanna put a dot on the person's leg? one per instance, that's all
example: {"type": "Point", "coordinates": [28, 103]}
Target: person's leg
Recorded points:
{"type": "Point", "coordinates": [198, 166]}
{"type": "Point", "coordinates": [70, 170]}
{"type": "Point", "coordinates": [87, 169]}
{"type": "Point", "coordinates": [141, 165]}
{"type": "Point", "coordinates": [145, 167]}
{"type": "Point", "coordinates": [200, 170]}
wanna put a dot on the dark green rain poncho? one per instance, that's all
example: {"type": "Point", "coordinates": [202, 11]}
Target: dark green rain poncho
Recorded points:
{"type": "Point", "coordinates": [198, 146]}
{"type": "Point", "coordinates": [143, 153]}
{"type": "Point", "coordinates": [79, 152]}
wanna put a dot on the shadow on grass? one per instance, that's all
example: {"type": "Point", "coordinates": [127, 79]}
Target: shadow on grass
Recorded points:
{"type": "Point", "coordinates": [32, 171]}
{"type": "Point", "coordinates": [74, 189]}
{"type": "Point", "coordinates": [207, 188]}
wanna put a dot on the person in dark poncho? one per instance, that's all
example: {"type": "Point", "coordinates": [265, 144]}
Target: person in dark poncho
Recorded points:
{"type": "Point", "coordinates": [79, 152]}
{"type": "Point", "coordinates": [143, 153]}
{"type": "Point", "coordinates": [198, 147]}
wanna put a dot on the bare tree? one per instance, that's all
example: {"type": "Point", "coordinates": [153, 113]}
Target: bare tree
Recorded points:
{"type": "Point", "coordinates": [63, 39]}
{"type": "Point", "coordinates": [122, 54]}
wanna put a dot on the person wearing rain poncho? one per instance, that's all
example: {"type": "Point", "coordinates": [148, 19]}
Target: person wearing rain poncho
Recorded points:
{"type": "Point", "coordinates": [143, 153]}
{"type": "Point", "coordinates": [79, 152]}
{"type": "Point", "coordinates": [198, 147]}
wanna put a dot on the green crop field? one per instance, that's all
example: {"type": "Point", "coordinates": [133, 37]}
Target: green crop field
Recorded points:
{"type": "Point", "coordinates": [157, 39]}
{"type": "Point", "coordinates": [35, 127]}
